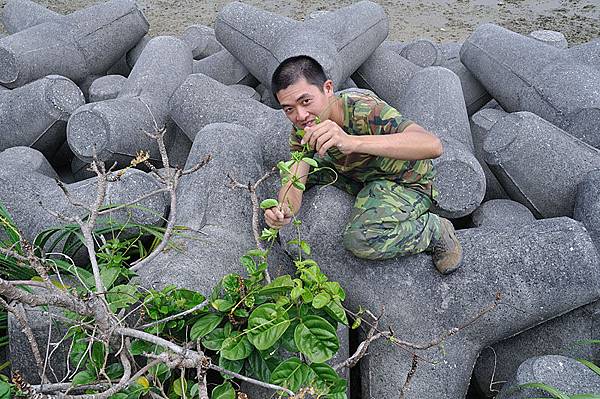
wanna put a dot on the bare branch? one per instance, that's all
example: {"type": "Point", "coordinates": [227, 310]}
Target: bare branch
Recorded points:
{"type": "Point", "coordinates": [410, 375]}
{"type": "Point", "coordinates": [175, 316]}
{"type": "Point", "coordinates": [251, 380]}
{"type": "Point", "coordinates": [127, 205]}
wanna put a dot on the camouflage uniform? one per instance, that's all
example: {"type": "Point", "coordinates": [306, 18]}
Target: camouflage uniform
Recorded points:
{"type": "Point", "coordinates": [391, 214]}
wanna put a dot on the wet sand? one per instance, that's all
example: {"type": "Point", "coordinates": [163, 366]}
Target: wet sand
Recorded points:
{"type": "Point", "coordinates": [439, 20]}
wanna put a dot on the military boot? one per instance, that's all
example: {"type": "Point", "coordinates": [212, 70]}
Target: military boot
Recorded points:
{"type": "Point", "coordinates": [447, 252]}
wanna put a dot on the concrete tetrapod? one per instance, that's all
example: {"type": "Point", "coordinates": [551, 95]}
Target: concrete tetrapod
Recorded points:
{"type": "Point", "coordinates": [588, 53]}
{"type": "Point", "coordinates": [565, 374]}
{"type": "Point", "coordinates": [540, 169]}
{"type": "Point", "coordinates": [262, 40]}
{"type": "Point", "coordinates": [18, 15]}
{"type": "Point", "coordinates": [27, 194]}
{"type": "Point", "coordinates": [523, 74]}
{"type": "Point", "coordinates": [201, 100]}
{"type": "Point", "coordinates": [35, 115]}
{"type": "Point", "coordinates": [526, 266]}
{"type": "Point", "coordinates": [433, 99]}
{"type": "Point", "coordinates": [115, 128]}
{"type": "Point", "coordinates": [87, 42]}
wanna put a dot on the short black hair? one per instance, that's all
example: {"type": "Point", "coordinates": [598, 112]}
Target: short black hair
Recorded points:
{"type": "Point", "coordinates": [293, 69]}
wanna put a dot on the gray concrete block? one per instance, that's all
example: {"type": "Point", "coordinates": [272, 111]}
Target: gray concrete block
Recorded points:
{"type": "Point", "coordinates": [433, 99]}
{"type": "Point", "coordinates": [200, 101]}
{"type": "Point", "coordinates": [423, 52]}
{"type": "Point", "coordinates": [475, 94]}
{"type": "Point", "coordinates": [27, 158]}
{"type": "Point", "coordinates": [244, 91]}
{"type": "Point", "coordinates": [531, 263]}
{"type": "Point", "coordinates": [551, 38]}
{"type": "Point", "coordinates": [225, 68]}
{"type": "Point", "coordinates": [337, 40]}
{"type": "Point", "coordinates": [565, 374]}
{"type": "Point", "coordinates": [115, 128]}
{"type": "Point", "coordinates": [481, 123]}
{"type": "Point", "coordinates": [523, 74]}
{"type": "Point", "coordinates": [203, 41]}
{"type": "Point", "coordinates": [540, 169]}
{"type": "Point", "coordinates": [499, 362]}
{"type": "Point", "coordinates": [501, 212]}
{"type": "Point", "coordinates": [587, 53]}
{"type": "Point", "coordinates": [86, 42]}
{"type": "Point", "coordinates": [136, 51]}
{"type": "Point", "coordinates": [587, 204]}
{"type": "Point", "coordinates": [18, 15]}
{"type": "Point", "coordinates": [106, 87]}
{"type": "Point", "coordinates": [34, 115]}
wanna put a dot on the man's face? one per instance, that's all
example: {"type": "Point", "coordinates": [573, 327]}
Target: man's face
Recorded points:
{"type": "Point", "coordinates": [302, 102]}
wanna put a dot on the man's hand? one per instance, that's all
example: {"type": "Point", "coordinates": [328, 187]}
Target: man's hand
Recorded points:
{"type": "Point", "coordinates": [328, 134]}
{"type": "Point", "coordinates": [278, 216]}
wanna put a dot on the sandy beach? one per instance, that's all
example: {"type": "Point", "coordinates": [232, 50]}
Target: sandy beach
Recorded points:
{"type": "Point", "coordinates": [439, 20]}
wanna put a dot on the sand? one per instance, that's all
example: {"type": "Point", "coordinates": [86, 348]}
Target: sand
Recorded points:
{"type": "Point", "coordinates": [439, 20]}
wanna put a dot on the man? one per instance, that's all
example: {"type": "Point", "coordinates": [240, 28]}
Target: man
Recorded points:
{"type": "Point", "coordinates": [380, 156]}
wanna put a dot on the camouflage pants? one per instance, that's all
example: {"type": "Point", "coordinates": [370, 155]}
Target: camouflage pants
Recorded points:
{"type": "Point", "coordinates": [388, 220]}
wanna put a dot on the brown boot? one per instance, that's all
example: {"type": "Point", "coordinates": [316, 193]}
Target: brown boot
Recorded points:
{"type": "Point", "coordinates": [447, 252]}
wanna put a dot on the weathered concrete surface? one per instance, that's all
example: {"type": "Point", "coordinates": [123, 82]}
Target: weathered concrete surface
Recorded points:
{"type": "Point", "coordinates": [90, 40]}
{"type": "Point", "coordinates": [565, 374]}
{"type": "Point", "coordinates": [35, 115]}
{"type": "Point", "coordinates": [530, 264]}
{"type": "Point", "coordinates": [338, 40]}
{"type": "Point", "coordinates": [540, 169]}
{"type": "Point", "coordinates": [501, 213]}
{"type": "Point", "coordinates": [523, 74]}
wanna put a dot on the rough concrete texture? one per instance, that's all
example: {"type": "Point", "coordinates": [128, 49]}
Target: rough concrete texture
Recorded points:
{"type": "Point", "coordinates": [27, 158]}
{"type": "Point", "coordinates": [523, 74]}
{"type": "Point", "coordinates": [588, 53]}
{"type": "Point", "coordinates": [205, 37]}
{"type": "Point", "coordinates": [34, 115]}
{"type": "Point", "coordinates": [18, 15]}
{"type": "Point", "coordinates": [338, 40]}
{"type": "Point", "coordinates": [245, 92]}
{"type": "Point", "coordinates": [475, 94]}
{"type": "Point", "coordinates": [201, 100]}
{"type": "Point", "coordinates": [500, 213]}
{"type": "Point", "coordinates": [86, 42]}
{"type": "Point", "coordinates": [225, 68]}
{"type": "Point", "coordinates": [565, 374]}
{"type": "Point", "coordinates": [530, 264]}
{"type": "Point", "coordinates": [106, 87]}
{"type": "Point", "coordinates": [540, 169]}
{"type": "Point", "coordinates": [481, 123]}
{"type": "Point", "coordinates": [587, 204]}
{"type": "Point", "coordinates": [114, 129]}
{"type": "Point", "coordinates": [433, 99]}
{"type": "Point", "coordinates": [499, 362]}
{"type": "Point", "coordinates": [28, 195]}
{"type": "Point", "coordinates": [423, 52]}
{"type": "Point", "coordinates": [551, 38]}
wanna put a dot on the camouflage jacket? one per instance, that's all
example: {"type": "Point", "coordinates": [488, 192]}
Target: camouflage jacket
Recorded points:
{"type": "Point", "coordinates": [366, 114]}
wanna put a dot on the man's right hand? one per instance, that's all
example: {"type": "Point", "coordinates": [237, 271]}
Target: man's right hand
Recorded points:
{"type": "Point", "coordinates": [277, 218]}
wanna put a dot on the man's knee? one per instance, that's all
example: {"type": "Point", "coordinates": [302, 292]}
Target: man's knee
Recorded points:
{"type": "Point", "coordinates": [356, 241]}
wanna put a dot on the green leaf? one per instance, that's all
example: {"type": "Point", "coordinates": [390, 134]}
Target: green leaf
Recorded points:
{"type": "Point", "coordinates": [248, 263]}
{"type": "Point", "coordinates": [214, 339]}
{"type": "Point", "coordinates": [231, 365]}
{"type": "Point", "coordinates": [259, 367]}
{"type": "Point", "coordinates": [585, 396]}
{"type": "Point", "coordinates": [305, 247]}
{"type": "Point", "coordinates": [291, 374]}
{"type": "Point", "coordinates": [194, 390]}
{"type": "Point", "coordinates": [223, 391]}
{"type": "Point", "coordinates": [356, 323]}
{"type": "Point", "coordinates": [316, 338]}
{"type": "Point", "coordinates": [266, 325]}
{"type": "Point", "coordinates": [279, 285]}
{"type": "Point", "coordinates": [121, 296]}
{"type": "Point", "coordinates": [320, 300]}
{"type": "Point", "coordinates": [327, 378]}
{"type": "Point", "coordinates": [180, 386]}
{"type": "Point", "coordinates": [231, 283]}
{"type": "Point", "coordinates": [287, 339]}
{"type": "Point", "coordinates": [4, 390]}
{"type": "Point", "coordinates": [98, 352]}
{"type": "Point", "coordinates": [296, 293]}
{"type": "Point", "coordinates": [335, 290]}
{"type": "Point", "coordinates": [299, 185]}
{"type": "Point", "coordinates": [335, 310]}
{"type": "Point", "coordinates": [236, 347]}
{"type": "Point", "coordinates": [311, 162]}
{"type": "Point", "coordinates": [83, 378]}
{"type": "Point", "coordinates": [205, 324]}
{"type": "Point", "coordinates": [109, 276]}
{"type": "Point", "coordinates": [590, 365]}
{"type": "Point", "coordinates": [283, 167]}
{"type": "Point", "coordinates": [222, 305]}
{"type": "Point", "coordinates": [269, 203]}
{"type": "Point", "coordinates": [256, 252]}
{"type": "Point", "coordinates": [114, 371]}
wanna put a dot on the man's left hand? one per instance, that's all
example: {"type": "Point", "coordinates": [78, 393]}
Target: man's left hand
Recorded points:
{"type": "Point", "coordinates": [328, 134]}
